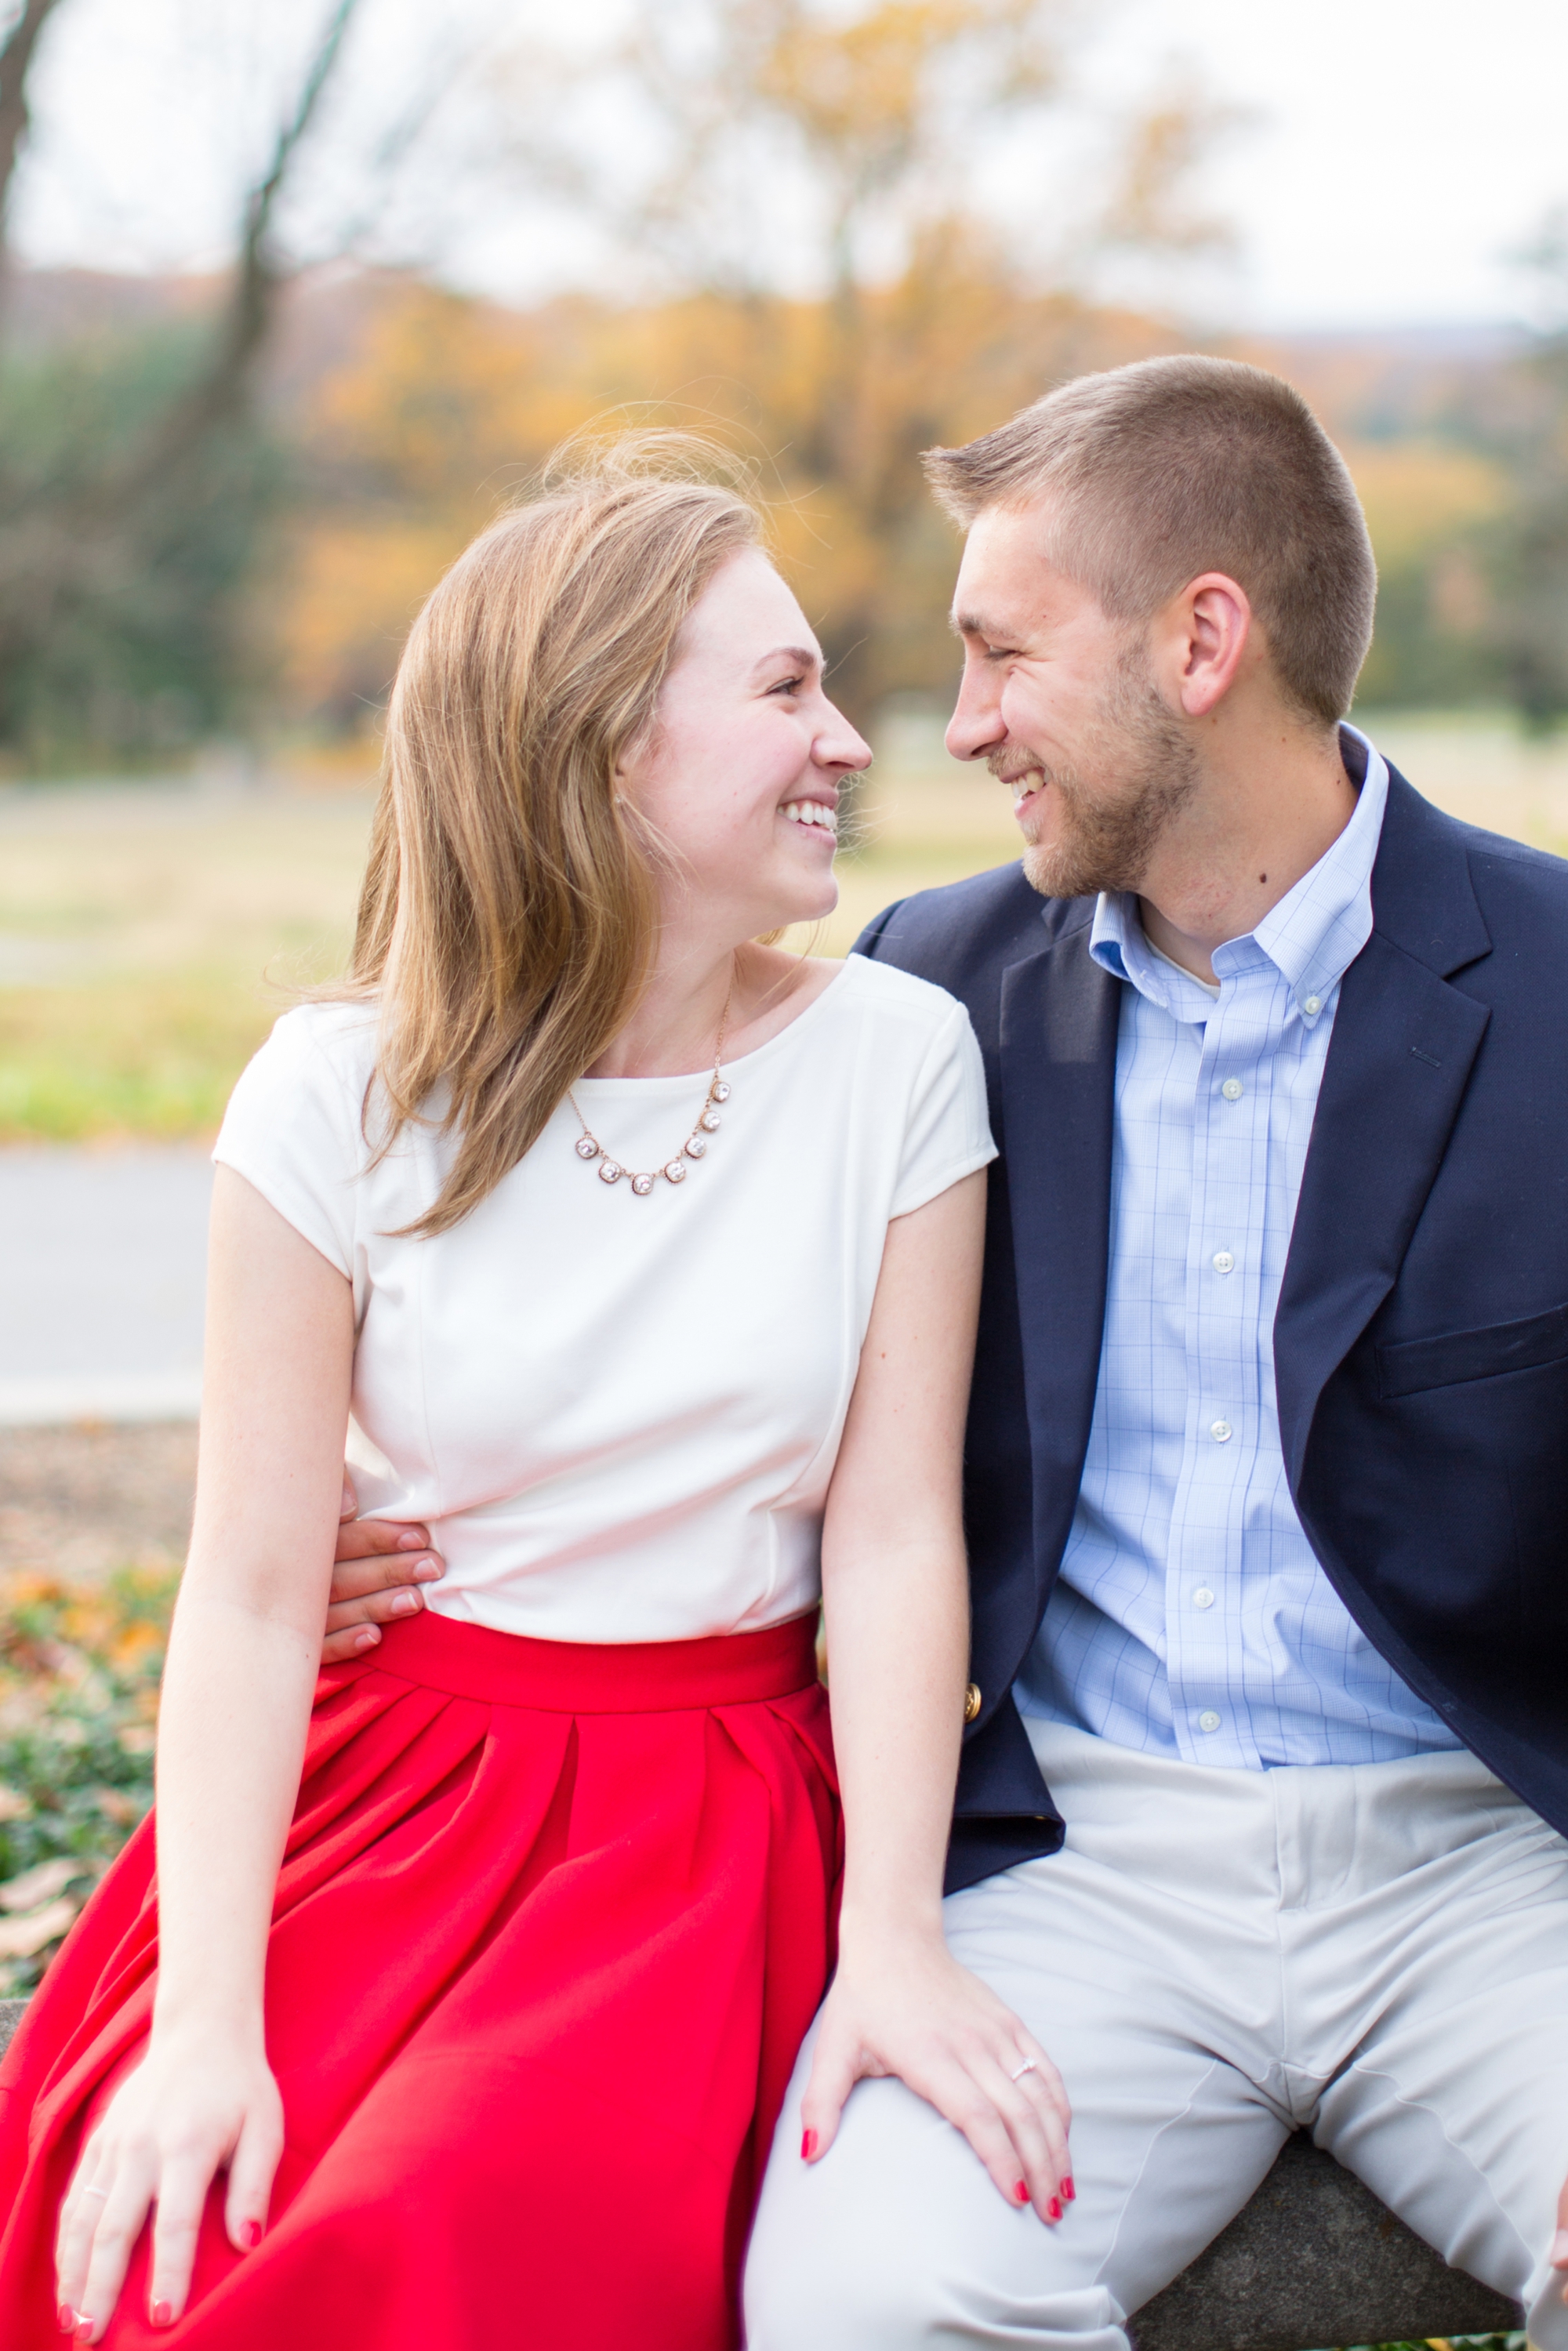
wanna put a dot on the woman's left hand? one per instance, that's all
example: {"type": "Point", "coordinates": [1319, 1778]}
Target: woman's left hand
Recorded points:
{"type": "Point", "coordinates": [904, 2006]}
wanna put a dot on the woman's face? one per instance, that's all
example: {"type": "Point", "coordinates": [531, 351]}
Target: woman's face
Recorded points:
{"type": "Point", "coordinates": [740, 776]}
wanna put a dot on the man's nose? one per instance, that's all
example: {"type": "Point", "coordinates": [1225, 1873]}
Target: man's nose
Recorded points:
{"type": "Point", "coordinates": [977, 725]}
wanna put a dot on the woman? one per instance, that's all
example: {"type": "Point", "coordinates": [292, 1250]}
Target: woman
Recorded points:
{"type": "Point", "coordinates": [645, 1259]}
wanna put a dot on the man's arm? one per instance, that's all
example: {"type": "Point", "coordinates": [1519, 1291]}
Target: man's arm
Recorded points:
{"type": "Point", "coordinates": [376, 1578]}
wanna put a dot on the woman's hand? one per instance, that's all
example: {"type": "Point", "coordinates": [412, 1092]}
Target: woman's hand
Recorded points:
{"type": "Point", "coordinates": [202, 2097]}
{"type": "Point", "coordinates": [904, 2006]}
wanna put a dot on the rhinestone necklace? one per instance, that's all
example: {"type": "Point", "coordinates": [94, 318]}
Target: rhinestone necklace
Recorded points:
{"type": "Point", "coordinates": [674, 1171]}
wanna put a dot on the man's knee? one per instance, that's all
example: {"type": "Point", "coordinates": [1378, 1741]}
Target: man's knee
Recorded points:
{"type": "Point", "coordinates": [826, 2295]}
{"type": "Point", "coordinates": [893, 2289]}
{"type": "Point", "coordinates": [834, 2264]}
{"type": "Point", "coordinates": [897, 2241]}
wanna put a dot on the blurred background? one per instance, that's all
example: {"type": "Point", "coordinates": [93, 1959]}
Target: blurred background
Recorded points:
{"type": "Point", "coordinates": [294, 294]}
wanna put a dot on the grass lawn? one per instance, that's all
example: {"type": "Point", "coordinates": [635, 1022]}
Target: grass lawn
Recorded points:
{"type": "Point", "coordinates": [150, 935]}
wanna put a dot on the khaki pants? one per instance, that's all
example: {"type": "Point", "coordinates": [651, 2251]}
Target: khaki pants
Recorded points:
{"type": "Point", "coordinates": [1378, 1951]}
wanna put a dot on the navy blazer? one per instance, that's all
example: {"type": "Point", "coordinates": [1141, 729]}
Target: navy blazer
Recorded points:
{"type": "Point", "coordinates": [1421, 1343]}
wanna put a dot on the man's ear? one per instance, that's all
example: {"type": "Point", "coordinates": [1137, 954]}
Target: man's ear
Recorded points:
{"type": "Point", "coordinates": [1206, 631]}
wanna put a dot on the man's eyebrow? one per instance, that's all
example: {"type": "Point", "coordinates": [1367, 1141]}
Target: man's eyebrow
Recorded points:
{"type": "Point", "coordinates": [971, 624]}
{"type": "Point", "coordinates": [802, 656]}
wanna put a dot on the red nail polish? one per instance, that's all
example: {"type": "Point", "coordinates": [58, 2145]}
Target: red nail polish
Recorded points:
{"type": "Point", "coordinates": [808, 2146]}
{"type": "Point", "coordinates": [67, 2319]}
{"type": "Point", "coordinates": [1069, 2193]}
{"type": "Point", "coordinates": [1053, 2210]}
{"type": "Point", "coordinates": [161, 2314]}
{"type": "Point", "coordinates": [250, 2235]}
{"type": "Point", "coordinates": [1020, 2190]}
{"type": "Point", "coordinates": [84, 2330]}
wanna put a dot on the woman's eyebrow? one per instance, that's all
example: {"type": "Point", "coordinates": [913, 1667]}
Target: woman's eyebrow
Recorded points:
{"type": "Point", "coordinates": [800, 656]}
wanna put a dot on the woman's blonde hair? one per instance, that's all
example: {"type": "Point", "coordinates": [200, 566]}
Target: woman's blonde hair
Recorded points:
{"type": "Point", "coordinates": [507, 919]}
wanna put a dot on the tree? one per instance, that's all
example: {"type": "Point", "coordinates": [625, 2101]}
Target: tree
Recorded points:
{"type": "Point", "coordinates": [138, 473]}
{"type": "Point", "coordinates": [810, 189]}
{"type": "Point", "coordinates": [1530, 549]}
{"type": "Point", "coordinates": [17, 53]}
{"type": "Point", "coordinates": [443, 406]}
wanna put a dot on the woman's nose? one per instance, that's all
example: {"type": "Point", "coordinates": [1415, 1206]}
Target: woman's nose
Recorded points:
{"type": "Point", "coordinates": [840, 747]}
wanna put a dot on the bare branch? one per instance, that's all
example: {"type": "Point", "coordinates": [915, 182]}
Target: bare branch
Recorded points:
{"type": "Point", "coordinates": [257, 276]}
{"type": "Point", "coordinates": [16, 62]}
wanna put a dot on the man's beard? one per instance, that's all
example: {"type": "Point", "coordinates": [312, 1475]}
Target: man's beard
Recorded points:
{"type": "Point", "coordinates": [1107, 830]}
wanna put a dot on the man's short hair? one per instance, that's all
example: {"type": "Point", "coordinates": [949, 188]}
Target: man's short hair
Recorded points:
{"type": "Point", "coordinates": [1172, 468]}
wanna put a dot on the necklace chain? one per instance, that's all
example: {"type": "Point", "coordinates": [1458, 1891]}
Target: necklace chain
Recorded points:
{"type": "Point", "coordinates": [674, 1171]}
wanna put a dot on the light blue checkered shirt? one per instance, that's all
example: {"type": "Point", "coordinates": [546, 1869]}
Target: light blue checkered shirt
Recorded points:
{"type": "Point", "coordinates": [1190, 1618]}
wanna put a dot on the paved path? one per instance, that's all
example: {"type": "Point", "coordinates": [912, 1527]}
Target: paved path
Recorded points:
{"type": "Point", "coordinates": [102, 1271]}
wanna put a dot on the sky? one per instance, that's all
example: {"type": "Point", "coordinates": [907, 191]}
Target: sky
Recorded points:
{"type": "Point", "coordinates": [1391, 160]}
{"type": "Point", "coordinates": [1399, 150]}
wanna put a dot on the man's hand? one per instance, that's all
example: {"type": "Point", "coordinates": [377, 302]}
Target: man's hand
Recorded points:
{"type": "Point", "coordinates": [376, 1578]}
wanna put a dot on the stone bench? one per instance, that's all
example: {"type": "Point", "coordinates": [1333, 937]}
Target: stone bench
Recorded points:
{"type": "Point", "coordinates": [1314, 2259]}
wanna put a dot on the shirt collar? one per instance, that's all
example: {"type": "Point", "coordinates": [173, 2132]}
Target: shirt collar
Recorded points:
{"type": "Point", "coordinates": [1311, 937]}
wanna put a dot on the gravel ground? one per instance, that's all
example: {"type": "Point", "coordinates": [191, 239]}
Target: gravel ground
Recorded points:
{"type": "Point", "coordinates": [81, 1501]}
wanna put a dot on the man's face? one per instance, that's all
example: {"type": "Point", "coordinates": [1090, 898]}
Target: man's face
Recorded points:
{"type": "Point", "coordinates": [1062, 704]}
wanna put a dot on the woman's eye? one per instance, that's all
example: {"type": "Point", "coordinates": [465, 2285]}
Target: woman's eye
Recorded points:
{"type": "Point", "coordinates": [787, 685]}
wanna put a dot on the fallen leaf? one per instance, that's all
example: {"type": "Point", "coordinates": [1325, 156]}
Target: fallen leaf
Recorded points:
{"type": "Point", "coordinates": [21, 1938]}
{"type": "Point", "coordinates": [117, 1806]}
{"type": "Point", "coordinates": [41, 1883]}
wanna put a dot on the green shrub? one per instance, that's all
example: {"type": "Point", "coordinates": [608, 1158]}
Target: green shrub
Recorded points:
{"type": "Point", "coordinates": [80, 1668]}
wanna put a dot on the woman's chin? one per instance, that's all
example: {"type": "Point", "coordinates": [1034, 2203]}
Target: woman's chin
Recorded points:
{"type": "Point", "coordinates": [805, 905]}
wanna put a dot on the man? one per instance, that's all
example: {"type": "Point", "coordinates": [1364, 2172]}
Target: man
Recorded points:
{"type": "Point", "coordinates": [1261, 1816]}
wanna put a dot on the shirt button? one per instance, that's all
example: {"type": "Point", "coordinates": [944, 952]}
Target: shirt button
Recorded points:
{"type": "Point", "coordinates": [1208, 1720]}
{"type": "Point", "coordinates": [1312, 1004]}
{"type": "Point", "coordinates": [1231, 1089]}
{"type": "Point", "coordinates": [1222, 1262]}
{"type": "Point", "coordinates": [1203, 1597]}
{"type": "Point", "coordinates": [1221, 1431]}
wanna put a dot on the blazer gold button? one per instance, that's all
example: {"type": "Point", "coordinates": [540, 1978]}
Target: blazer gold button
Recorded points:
{"type": "Point", "coordinates": [972, 1703]}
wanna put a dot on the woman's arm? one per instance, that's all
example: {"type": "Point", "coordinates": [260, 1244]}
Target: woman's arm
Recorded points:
{"type": "Point", "coordinates": [895, 1592]}
{"type": "Point", "coordinates": [243, 1658]}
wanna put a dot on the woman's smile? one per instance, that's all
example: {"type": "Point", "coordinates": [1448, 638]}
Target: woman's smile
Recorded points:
{"type": "Point", "coordinates": [819, 815]}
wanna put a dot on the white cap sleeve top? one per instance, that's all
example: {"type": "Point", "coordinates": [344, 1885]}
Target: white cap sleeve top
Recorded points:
{"type": "Point", "coordinates": [618, 1416]}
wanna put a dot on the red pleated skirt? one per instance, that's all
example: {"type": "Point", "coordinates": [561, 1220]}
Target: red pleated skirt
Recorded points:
{"type": "Point", "coordinates": [551, 1924]}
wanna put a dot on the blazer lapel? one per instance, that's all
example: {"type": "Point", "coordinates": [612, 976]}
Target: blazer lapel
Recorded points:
{"type": "Point", "coordinates": [1058, 1017]}
{"type": "Point", "coordinates": [1398, 1063]}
